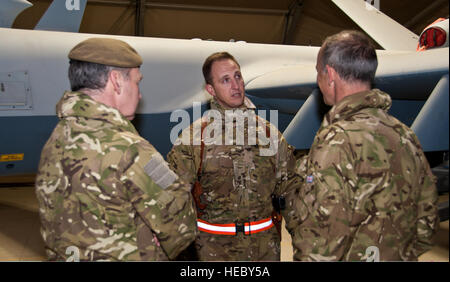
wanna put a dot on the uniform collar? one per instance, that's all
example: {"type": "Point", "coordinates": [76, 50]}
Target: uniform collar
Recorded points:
{"type": "Point", "coordinates": [247, 105]}
{"type": "Point", "coordinates": [374, 98]}
{"type": "Point", "coordinates": [78, 104]}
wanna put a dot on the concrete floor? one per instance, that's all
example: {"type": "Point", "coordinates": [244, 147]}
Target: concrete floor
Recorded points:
{"type": "Point", "coordinates": [20, 239]}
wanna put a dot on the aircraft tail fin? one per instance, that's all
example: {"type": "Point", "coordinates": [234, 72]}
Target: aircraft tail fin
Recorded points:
{"type": "Point", "coordinates": [63, 16]}
{"type": "Point", "coordinates": [10, 9]}
{"type": "Point", "coordinates": [385, 31]}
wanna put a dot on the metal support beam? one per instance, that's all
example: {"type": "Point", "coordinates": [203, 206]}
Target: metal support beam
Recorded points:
{"type": "Point", "coordinates": [433, 6]}
{"type": "Point", "coordinates": [140, 18]}
{"type": "Point", "coordinates": [123, 18]}
{"type": "Point", "coordinates": [110, 3]}
{"type": "Point", "coordinates": [292, 18]}
{"type": "Point", "coordinates": [195, 7]}
{"type": "Point", "coordinates": [216, 8]}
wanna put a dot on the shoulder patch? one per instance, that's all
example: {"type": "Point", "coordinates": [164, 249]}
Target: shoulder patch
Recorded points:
{"type": "Point", "coordinates": [159, 171]}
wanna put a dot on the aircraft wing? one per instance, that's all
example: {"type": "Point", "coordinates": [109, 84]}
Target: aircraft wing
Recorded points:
{"type": "Point", "coordinates": [409, 77]}
{"type": "Point", "coordinates": [384, 30]}
{"type": "Point", "coordinates": [292, 82]}
{"type": "Point", "coordinates": [404, 75]}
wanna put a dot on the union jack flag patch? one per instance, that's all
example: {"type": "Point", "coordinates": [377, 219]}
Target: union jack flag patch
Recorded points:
{"type": "Point", "coordinates": [309, 179]}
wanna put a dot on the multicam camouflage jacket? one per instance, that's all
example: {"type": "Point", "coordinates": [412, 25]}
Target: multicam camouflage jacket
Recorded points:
{"type": "Point", "coordinates": [105, 193]}
{"type": "Point", "coordinates": [237, 181]}
{"type": "Point", "coordinates": [369, 192]}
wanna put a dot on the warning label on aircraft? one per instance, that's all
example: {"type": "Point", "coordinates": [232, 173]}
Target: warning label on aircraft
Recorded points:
{"type": "Point", "coordinates": [11, 157]}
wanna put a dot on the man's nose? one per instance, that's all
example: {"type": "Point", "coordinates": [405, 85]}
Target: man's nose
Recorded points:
{"type": "Point", "coordinates": [235, 83]}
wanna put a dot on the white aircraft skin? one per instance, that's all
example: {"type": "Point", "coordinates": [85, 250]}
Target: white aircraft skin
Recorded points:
{"type": "Point", "coordinates": [277, 77]}
{"type": "Point", "coordinates": [171, 68]}
{"type": "Point", "coordinates": [387, 32]}
{"type": "Point", "coordinates": [172, 81]}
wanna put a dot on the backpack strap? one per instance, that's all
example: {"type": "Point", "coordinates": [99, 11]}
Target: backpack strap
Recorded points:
{"type": "Point", "coordinates": [197, 190]}
{"type": "Point", "coordinates": [202, 149]}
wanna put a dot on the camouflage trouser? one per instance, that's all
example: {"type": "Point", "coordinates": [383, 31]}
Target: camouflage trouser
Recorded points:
{"type": "Point", "coordinates": [262, 246]}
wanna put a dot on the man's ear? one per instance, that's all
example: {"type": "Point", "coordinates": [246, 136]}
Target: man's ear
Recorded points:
{"type": "Point", "coordinates": [116, 80]}
{"type": "Point", "coordinates": [331, 74]}
{"type": "Point", "coordinates": [210, 89]}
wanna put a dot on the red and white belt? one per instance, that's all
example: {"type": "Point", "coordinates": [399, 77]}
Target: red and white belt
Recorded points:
{"type": "Point", "coordinates": [233, 228]}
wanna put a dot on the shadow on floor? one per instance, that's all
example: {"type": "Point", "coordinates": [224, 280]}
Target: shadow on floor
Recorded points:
{"type": "Point", "coordinates": [20, 238]}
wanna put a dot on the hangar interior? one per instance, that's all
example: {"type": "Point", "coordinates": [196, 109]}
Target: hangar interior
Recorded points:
{"type": "Point", "coordinates": [295, 22]}
{"type": "Point", "coordinates": [291, 22]}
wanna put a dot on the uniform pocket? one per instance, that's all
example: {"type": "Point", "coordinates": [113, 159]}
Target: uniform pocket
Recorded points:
{"type": "Point", "coordinates": [217, 162]}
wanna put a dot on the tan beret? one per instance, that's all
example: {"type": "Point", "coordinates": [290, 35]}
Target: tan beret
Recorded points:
{"type": "Point", "coordinates": [106, 51]}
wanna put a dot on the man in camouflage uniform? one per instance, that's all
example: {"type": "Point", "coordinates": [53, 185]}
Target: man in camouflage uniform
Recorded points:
{"type": "Point", "coordinates": [237, 178]}
{"type": "Point", "coordinates": [104, 192]}
{"type": "Point", "coordinates": [369, 193]}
